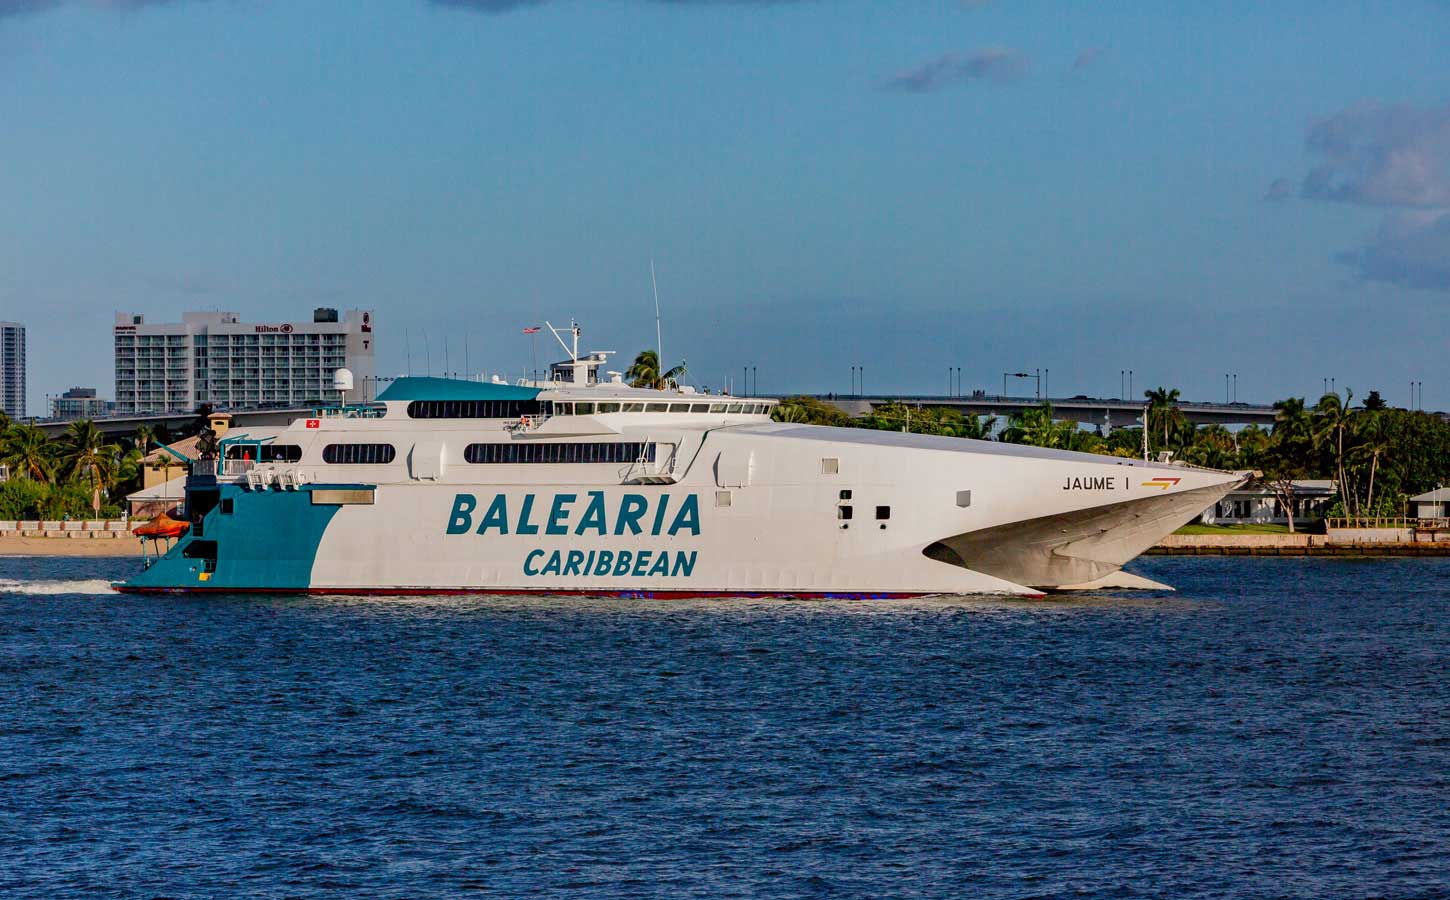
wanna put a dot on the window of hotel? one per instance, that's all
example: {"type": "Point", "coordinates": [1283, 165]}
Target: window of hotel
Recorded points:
{"type": "Point", "coordinates": [477, 409]}
{"type": "Point", "coordinates": [529, 452]}
{"type": "Point", "coordinates": [358, 454]}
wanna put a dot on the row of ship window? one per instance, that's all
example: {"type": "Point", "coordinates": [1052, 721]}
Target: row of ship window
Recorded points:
{"type": "Point", "coordinates": [479, 454]}
{"type": "Point", "coordinates": [515, 409]}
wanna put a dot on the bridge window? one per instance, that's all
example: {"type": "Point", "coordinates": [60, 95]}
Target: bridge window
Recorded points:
{"type": "Point", "coordinates": [289, 453]}
{"type": "Point", "coordinates": [616, 452]}
{"type": "Point", "coordinates": [358, 454]}
{"type": "Point", "coordinates": [478, 409]}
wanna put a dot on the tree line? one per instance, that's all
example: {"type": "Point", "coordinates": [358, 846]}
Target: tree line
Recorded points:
{"type": "Point", "coordinates": [81, 473]}
{"type": "Point", "coordinates": [1377, 456]}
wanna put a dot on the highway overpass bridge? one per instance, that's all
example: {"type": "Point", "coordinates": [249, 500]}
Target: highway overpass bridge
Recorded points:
{"type": "Point", "coordinates": [181, 424]}
{"type": "Point", "coordinates": [1109, 413]}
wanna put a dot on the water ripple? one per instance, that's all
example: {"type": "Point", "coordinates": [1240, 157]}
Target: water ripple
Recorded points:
{"type": "Point", "coordinates": [1281, 728]}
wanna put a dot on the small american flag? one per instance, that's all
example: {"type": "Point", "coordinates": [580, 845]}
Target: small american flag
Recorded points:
{"type": "Point", "coordinates": [533, 330]}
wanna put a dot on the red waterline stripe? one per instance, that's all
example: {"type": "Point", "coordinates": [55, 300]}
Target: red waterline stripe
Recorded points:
{"type": "Point", "coordinates": [518, 592]}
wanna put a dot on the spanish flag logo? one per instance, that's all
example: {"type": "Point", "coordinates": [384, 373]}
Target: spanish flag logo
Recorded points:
{"type": "Point", "coordinates": [1162, 482]}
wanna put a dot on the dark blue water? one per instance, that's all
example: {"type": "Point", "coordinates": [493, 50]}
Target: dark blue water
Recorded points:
{"type": "Point", "coordinates": [1281, 728]}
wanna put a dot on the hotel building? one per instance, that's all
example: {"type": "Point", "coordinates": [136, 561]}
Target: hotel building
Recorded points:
{"type": "Point", "coordinates": [215, 358]}
{"type": "Point", "coordinates": [79, 403]}
{"type": "Point", "coordinates": [12, 369]}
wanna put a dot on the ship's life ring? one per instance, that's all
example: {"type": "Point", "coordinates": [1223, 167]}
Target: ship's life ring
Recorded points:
{"type": "Point", "coordinates": [526, 422]}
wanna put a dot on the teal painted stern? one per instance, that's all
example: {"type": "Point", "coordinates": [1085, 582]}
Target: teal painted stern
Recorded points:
{"type": "Point", "coordinates": [250, 540]}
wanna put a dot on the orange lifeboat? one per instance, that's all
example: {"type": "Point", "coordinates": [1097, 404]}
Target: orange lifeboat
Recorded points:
{"type": "Point", "coordinates": [163, 526]}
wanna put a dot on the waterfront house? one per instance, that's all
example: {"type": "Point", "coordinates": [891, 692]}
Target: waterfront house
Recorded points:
{"type": "Point", "coordinates": [1256, 504]}
{"type": "Point", "coordinates": [1432, 505]}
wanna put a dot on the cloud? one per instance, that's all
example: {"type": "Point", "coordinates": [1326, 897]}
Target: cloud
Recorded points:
{"type": "Point", "coordinates": [1280, 189]}
{"type": "Point", "coordinates": [1088, 57]}
{"type": "Point", "coordinates": [1394, 157]}
{"type": "Point", "coordinates": [1379, 155]}
{"type": "Point", "coordinates": [1410, 250]}
{"type": "Point", "coordinates": [998, 64]}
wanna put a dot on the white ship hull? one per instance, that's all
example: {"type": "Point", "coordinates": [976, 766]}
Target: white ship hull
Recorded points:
{"type": "Point", "coordinates": [728, 503]}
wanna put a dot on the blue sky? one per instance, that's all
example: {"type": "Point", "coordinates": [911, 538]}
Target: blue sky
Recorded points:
{"type": "Point", "coordinates": [1183, 189]}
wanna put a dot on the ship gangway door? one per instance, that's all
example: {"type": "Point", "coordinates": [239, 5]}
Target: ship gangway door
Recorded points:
{"type": "Point", "coordinates": [734, 468]}
{"type": "Point", "coordinates": [425, 462]}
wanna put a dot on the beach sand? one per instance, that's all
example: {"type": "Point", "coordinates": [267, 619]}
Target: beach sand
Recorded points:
{"type": "Point", "coordinates": [41, 546]}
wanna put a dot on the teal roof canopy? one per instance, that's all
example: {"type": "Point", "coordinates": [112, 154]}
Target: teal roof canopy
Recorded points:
{"type": "Point", "coordinates": [406, 389]}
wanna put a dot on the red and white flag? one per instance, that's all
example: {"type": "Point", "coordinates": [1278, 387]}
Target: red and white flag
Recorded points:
{"type": "Point", "coordinates": [314, 423]}
{"type": "Point", "coordinates": [532, 330]}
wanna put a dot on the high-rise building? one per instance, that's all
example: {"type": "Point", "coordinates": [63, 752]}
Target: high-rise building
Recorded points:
{"type": "Point", "coordinates": [79, 403]}
{"type": "Point", "coordinates": [12, 369]}
{"type": "Point", "coordinates": [215, 358]}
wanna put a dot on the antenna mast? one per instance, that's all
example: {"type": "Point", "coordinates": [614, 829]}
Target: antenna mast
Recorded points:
{"type": "Point", "coordinates": [659, 334]}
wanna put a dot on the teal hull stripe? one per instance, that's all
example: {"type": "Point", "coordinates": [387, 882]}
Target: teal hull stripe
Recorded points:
{"type": "Point", "coordinates": [268, 542]}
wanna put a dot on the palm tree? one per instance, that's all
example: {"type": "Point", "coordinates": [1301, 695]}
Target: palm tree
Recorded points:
{"type": "Point", "coordinates": [1374, 442]}
{"type": "Point", "coordinates": [28, 453]}
{"type": "Point", "coordinates": [1333, 419]}
{"type": "Point", "coordinates": [85, 452]}
{"type": "Point", "coordinates": [978, 428]}
{"type": "Point", "coordinates": [1212, 446]}
{"type": "Point", "coordinates": [1286, 458]}
{"type": "Point", "coordinates": [645, 371]}
{"type": "Point", "coordinates": [1035, 427]}
{"type": "Point", "coordinates": [1163, 410]}
{"type": "Point", "coordinates": [142, 437]}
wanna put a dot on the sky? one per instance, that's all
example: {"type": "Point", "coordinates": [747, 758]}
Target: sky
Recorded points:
{"type": "Point", "coordinates": [1181, 189]}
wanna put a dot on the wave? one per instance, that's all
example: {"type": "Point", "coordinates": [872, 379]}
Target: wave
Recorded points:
{"type": "Point", "coordinates": [86, 586]}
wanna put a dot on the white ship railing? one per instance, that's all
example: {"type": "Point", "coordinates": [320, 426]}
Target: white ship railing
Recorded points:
{"type": "Point", "coordinates": [649, 468]}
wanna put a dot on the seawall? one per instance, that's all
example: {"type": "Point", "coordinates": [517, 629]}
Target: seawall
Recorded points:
{"type": "Point", "coordinates": [1344, 542]}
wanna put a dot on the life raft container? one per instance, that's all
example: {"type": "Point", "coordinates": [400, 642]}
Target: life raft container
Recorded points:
{"type": "Point", "coordinates": [163, 526]}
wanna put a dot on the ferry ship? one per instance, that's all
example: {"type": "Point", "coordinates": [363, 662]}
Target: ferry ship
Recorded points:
{"type": "Point", "coordinates": [582, 484]}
